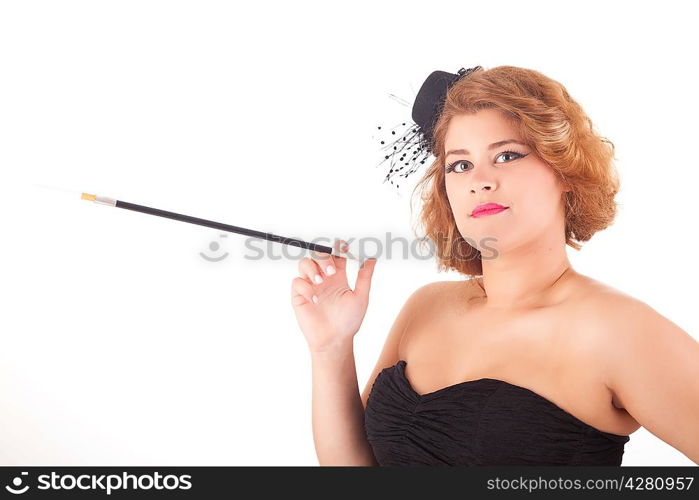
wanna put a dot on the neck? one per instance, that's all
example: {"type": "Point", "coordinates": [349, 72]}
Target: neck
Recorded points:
{"type": "Point", "coordinates": [526, 276]}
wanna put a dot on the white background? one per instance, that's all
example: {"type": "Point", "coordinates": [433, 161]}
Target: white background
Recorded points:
{"type": "Point", "coordinates": [122, 345]}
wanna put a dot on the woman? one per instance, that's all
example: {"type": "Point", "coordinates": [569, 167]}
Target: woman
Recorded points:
{"type": "Point", "coordinates": [526, 362]}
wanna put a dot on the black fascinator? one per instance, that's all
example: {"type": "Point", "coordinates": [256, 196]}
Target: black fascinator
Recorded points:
{"type": "Point", "coordinates": [410, 144]}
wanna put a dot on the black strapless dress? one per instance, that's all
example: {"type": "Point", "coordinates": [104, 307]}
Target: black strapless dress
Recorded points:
{"type": "Point", "coordinates": [478, 422]}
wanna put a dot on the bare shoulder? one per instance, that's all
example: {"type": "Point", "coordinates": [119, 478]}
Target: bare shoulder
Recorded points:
{"type": "Point", "coordinates": [459, 290]}
{"type": "Point", "coordinates": [417, 307]}
{"type": "Point", "coordinates": [428, 302]}
{"type": "Point", "coordinates": [437, 292]}
{"type": "Point", "coordinates": [651, 366]}
{"type": "Point", "coordinates": [608, 307]}
{"type": "Point", "coordinates": [618, 323]}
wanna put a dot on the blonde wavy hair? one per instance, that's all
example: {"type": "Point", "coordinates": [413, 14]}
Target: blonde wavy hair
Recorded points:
{"type": "Point", "coordinates": [555, 126]}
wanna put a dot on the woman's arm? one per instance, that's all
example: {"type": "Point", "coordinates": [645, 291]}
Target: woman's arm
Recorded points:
{"type": "Point", "coordinates": [338, 413]}
{"type": "Point", "coordinates": [653, 370]}
{"type": "Point", "coordinates": [338, 409]}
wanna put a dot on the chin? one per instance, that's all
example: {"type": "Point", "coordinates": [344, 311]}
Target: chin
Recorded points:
{"type": "Point", "coordinates": [494, 243]}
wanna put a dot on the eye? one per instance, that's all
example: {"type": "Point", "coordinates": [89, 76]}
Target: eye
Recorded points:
{"type": "Point", "coordinates": [452, 166]}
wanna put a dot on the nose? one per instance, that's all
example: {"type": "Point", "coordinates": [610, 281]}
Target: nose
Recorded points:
{"type": "Point", "coordinates": [482, 179]}
{"type": "Point", "coordinates": [482, 186]}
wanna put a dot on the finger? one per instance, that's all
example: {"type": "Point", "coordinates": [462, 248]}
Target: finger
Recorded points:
{"type": "Point", "coordinates": [301, 292]}
{"type": "Point", "coordinates": [340, 250]}
{"type": "Point", "coordinates": [325, 262]}
{"type": "Point", "coordinates": [340, 245]}
{"type": "Point", "coordinates": [309, 269]}
{"type": "Point", "coordinates": [362, 285]}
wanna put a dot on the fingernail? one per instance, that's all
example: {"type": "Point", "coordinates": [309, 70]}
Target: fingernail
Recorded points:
{"type": "Point", "coordinates": [315, 299]}
{"type": "Point", "coordinates": [317, 278]}
{"type": "Point", "coordinates": [330, 270]}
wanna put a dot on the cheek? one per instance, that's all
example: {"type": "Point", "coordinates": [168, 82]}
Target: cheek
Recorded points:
{"type": "Point", "coordinates": [539, 193]}
{"type": "Point", "coordinates": [456, 196]}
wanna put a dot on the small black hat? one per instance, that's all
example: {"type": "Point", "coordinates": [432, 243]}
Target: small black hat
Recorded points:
{"type": "Point", "coordinates": [427, 107]}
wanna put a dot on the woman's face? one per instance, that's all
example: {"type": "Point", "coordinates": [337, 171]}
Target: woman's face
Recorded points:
{"type": "Point", "coordinates": [510, 174]}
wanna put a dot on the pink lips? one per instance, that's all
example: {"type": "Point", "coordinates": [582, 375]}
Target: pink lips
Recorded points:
{"type": "Point", "coordinates": [487, 209]}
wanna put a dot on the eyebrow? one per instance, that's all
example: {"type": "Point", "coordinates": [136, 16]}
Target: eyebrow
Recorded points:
{"type": "Point", "coordinates": [492, 146]}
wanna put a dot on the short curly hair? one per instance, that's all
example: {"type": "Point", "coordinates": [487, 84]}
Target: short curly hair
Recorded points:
{"type": "Point", "coordinates": [555, 126]}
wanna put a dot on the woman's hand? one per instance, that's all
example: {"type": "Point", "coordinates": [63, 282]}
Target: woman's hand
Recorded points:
{"type": "Point", "coordinates": [335, 318]}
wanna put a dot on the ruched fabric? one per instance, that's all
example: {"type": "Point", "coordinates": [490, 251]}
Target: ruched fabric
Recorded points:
{"type": "Point", "coordinates": [478, 422]}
